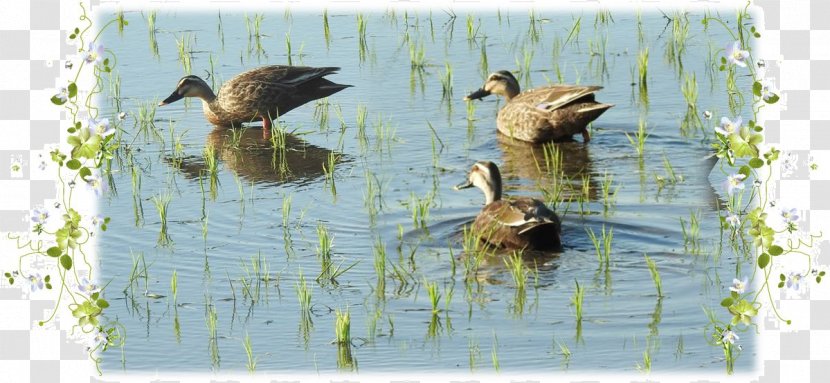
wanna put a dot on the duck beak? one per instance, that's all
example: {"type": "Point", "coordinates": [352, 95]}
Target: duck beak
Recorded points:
{"type": "Point", "coordinates": [173, 98]}
{"type": "Point", "coordinates": [463, 185]}
{"type": "Point", "coordinates": [481, 93]}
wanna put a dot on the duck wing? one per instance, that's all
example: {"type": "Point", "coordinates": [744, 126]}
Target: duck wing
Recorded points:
{"type": "Point", "coordinates": [519, 212]}
{"type": "Point", "coordinates": [557, 96]}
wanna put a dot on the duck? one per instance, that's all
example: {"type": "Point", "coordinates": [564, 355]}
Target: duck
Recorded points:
{"type": "Point", "coordinates": [517, 223]}
{"type": "Point", "coordinates": [264, 93]}
{"type": "Point", "coordinates": [549, 113]}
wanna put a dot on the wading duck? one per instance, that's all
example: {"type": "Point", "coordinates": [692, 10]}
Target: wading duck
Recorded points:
{"type": "Point", "coordinates": [518, 223]}
{"type": "Point", "coordinates": [262, 93]}
{"type": "Point", "coordinates": [549, 113]}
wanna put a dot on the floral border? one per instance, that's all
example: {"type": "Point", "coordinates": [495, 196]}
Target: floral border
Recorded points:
{"type": "Point", "coordinates": [748, 221]}
{"type": "Point", "coordinates": [61, 234]}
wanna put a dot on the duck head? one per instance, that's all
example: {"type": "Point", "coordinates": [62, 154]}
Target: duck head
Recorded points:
{"type": "Point", "coordinates": [190, 86]}
{"type": "Point", "coordinates": [500, 83]}
{"type": "Point", "coordinates": [484, 175]}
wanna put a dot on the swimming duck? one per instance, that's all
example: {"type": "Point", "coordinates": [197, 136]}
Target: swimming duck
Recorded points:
{"type": "Point", "coordinates": [549, 113]}
{"type": "Point", "coordinates": [517, 223]}
{"type": "Point", "coordinates": [262, 93]}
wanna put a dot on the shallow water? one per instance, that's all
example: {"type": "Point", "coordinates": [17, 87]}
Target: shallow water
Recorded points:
{"type": "Point", "coordinates": [217, 226]}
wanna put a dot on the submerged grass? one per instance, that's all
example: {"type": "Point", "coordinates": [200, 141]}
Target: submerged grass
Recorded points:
{"type": "Point", "coordinates": [602, 245]}
{"type": "Point", "coordinates": [655, 275]}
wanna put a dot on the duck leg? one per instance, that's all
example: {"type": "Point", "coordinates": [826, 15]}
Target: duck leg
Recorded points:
{"type": "Point", "coordinates": [585, 135]}
{"type": "Point", "coordinates": [266, 128]}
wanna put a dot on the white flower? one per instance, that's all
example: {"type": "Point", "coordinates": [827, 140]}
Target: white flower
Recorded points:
{"type": "Point", "coordinates": [86, 287]}
{"type": "Point", "coordinates": [735, 55]}
{"type": "Point", "coordinates": [95, 53]}
{"type": "Point", "coordinates": [794, 281]}
{"type": "Point", "coordinates": [101, 127]}
{"type": "Point", "coordinates": [35, 282]}
{"type": "Point", "coordinates": [734, 182]}
{"type": "Point", "coordinates": [707, 114]}
{"type": "Point", "coordinates": [767, 89]}
{"type": "Point", "coordinates": [789, 215]}
{"type": "Point", "coordinates": [40, 215]}
{"type": "Point", "coordinates": [739, 285]}
{"type": "Point", "coordinates": [95, 183]}
{"type": "Point", "coordinates": [729, 336]}
{"type": "Point", "coordinates": [733, 220]}
{"type": "Point", "coordinates": [790, 164]}
{"type": "Point", "coordinates": [728, 126]}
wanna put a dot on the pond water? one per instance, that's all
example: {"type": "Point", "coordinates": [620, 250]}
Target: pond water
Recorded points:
{"type": "Point", "coordinates": [238, 238]}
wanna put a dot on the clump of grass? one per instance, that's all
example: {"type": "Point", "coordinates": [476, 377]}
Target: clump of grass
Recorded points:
{"type": "Point", "coordinates": [655, 275]}
{"type": "Point", "coordinates": [446, 83]}
{"type": "Point", "coordinates": [417, 55]}
{"type": "Point", "coordinates": [518, 270]}
{"type": "Point", "coordinates": [328, 171]}
{"type": "Point", "coordinates": [361, 33]}
{"type": "Point", "coordinates": [151, 29]}
{"type": "Point", "coordinates": [603, 17]}
{"type": "Point", "coordinates": [602, 245]}
{"type": "Point", "coordinates": [671, 178]}
{"type": "Point", "coordinates": [211, 168]}
{"type": "Point", "coordinates": [691, 234]}
{"type": "Point", "coordinates": [494, 352]}
{"type": "Point", "coordinates": [342, 327]}
{"type": "Point", "coordinates": [434, 295]}
{"type": "Point", "coordinates": [484, 67]}
{"type": "Point", "coordinates": [642, 68]}
{"type": "Point", "coordinates": [690, 93]}
{"type": "Point", "coordinates": [577, 299]}
{"type": "Point", "coordinates": [524, 65]}
{"type": "Point", "coordinates": [324, 252]}
{"type": "Point", "coordinates": [380, 267]}
{"type": "Point", "coordinates": [162, 202]}
{"type": "Point", "coordinates": [326, 30]}
{"type": "Point", "coordinates": [288, 47]}
{"type": "Point", "coordinates": [184, 46]}
{"type": "Point", "coordinates": [303, 295]}
{"type": "Point", "coordinates": [608, 196]}
{"type": "Point", "coordinates": [638, 141]}
{"type": "Point", "coordinates": [573, 35]}
{"type": "Point", "coordinates": [174, 286]}
{"type": "Point", "coordinates": [420, 209]}
{"type": "Point", "coordinates": [249, 352]}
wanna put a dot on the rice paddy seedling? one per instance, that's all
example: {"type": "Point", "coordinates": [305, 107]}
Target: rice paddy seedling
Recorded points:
{"type": "Point", "coordinates": [691, 234]}
{"type": "Point", "coordinates": [642, 69]}
{"type": "Point", "coordinates": [638, 141]}
{"type": "Point", "coordinates": [286, 210]}
{"type": "Point", "coordinates": [564, 350]}
{"type": "Point", "coordinates": [679, 348]}
{"type": "Point", "coordinates": [524, 65]}
{"type": "Point", "coordinates": [573, 35]}
{"type": "Point", "coordinates": [288, 47]}
{"type": "Point", "coordinates": [603, 17]}
{"type": "Point", "coordinates": [676, 45]}
{"type": "Point", "coordinates": [608, 197]}
{"type": "Point", "coordinates": [326, 30]}
{"type": "Point", "coordinates": [151, 29]}
{"type": "Point", "coordinates": [146, 119]}
{"type": "Point", "coordinates": [577, 299]}
{"type": "Point", "coordinates": [361, 33]}
{"type": "Point", "coordinates": [646, 366]}
{"type": "Point", "coordinates": [328, 171]}
{"type": "Point", "coordinates": [690, 93]}
{"type": "Point", "coordinates": [321, 113]}
{"type": "Point", "coordinates": [671, 178]}
{"type": "Point", "coordinates": [655, 275]}
{"type": "Point", "coordinates": [484, 67]}
{"type": "Point", "coordinates": [162, 202]}
{"type": "Point", "coordinates": [324, 245]}
{"type": "Point", "coordinates": [417, 55]}
{"type": "Point", "coordinates": [534, 31]}
{"type": "Point", "coordinates": [474, 353]}
{"type": "Point", "coordinates": [420, 209]}
{"type": "Point", "coordinates": [220, 31]}
{"type": "Point", "coordinates": [446, 83]}
{"type": "Point", "coordinates": [362, 115]}
{"type": "Point", "coordinates": [518, 271]}
{"type": "Point", "coordinates": [303, 294]}
{"type": "Point", "coordinates": [472, 29]}
{"type": "Point", "coordinates": [342, 327]}
{"type": "Point", "coordinates": [434, 295]}
{"type": "Point", "coordinates": [380, 267]}
{"type": "Point", "coordinates": [602, 245]}
{"type": "Point", "coordinates": [174, 286]}
{"type": "Point", "coordinates": [249, 352]}
{"type": "Point", "coordinates": [184, 46]}
{"type": "Point", "coordinates": [279, 150]}
{"type": "Point", "coordinates": [494, 352]}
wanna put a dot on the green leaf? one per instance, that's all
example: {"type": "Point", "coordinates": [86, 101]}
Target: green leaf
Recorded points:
{"type": "Point", "coordinates": [73, 164]}
{"type": "Point", "coordinates": [763, 260]}
{"type": "Point", "coordinates": [780, 285]}
{"type": "Point", "coordinates": [85, 172]}
{"type": "Point", "coordinates": [776, 250]}
{"type": "Point", "coordinates": [756, 88]}
{"type": "Point", "coordinates": [102, 303]}
{"type": "Point", "coordinates": [72, 89]}
{"type": "Point", "coordinates": [726, 302]}
{"type": "Point", "coordinates": [772, 99]}
{"type": "Point", "coordinates": [54, 252]}
{"type": "Point", "coordinates": [57, 100]}
{"type": "Point", "coordinates": [746, 171]}
{"type": "Point", "coordinates": [782, 277]}
{"type": "Point", "coordinates": [66, 261]}
{"type": "Point", "coordinates": [756, 162]}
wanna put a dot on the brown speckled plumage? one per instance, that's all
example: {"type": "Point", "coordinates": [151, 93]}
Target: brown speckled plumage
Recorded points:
{"type": "Point", "coordinates": [263, 93]}
{"type": "Point", "coordinates": [550, 113]}
{"type": "Point", "coordinates": [517, 223]}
